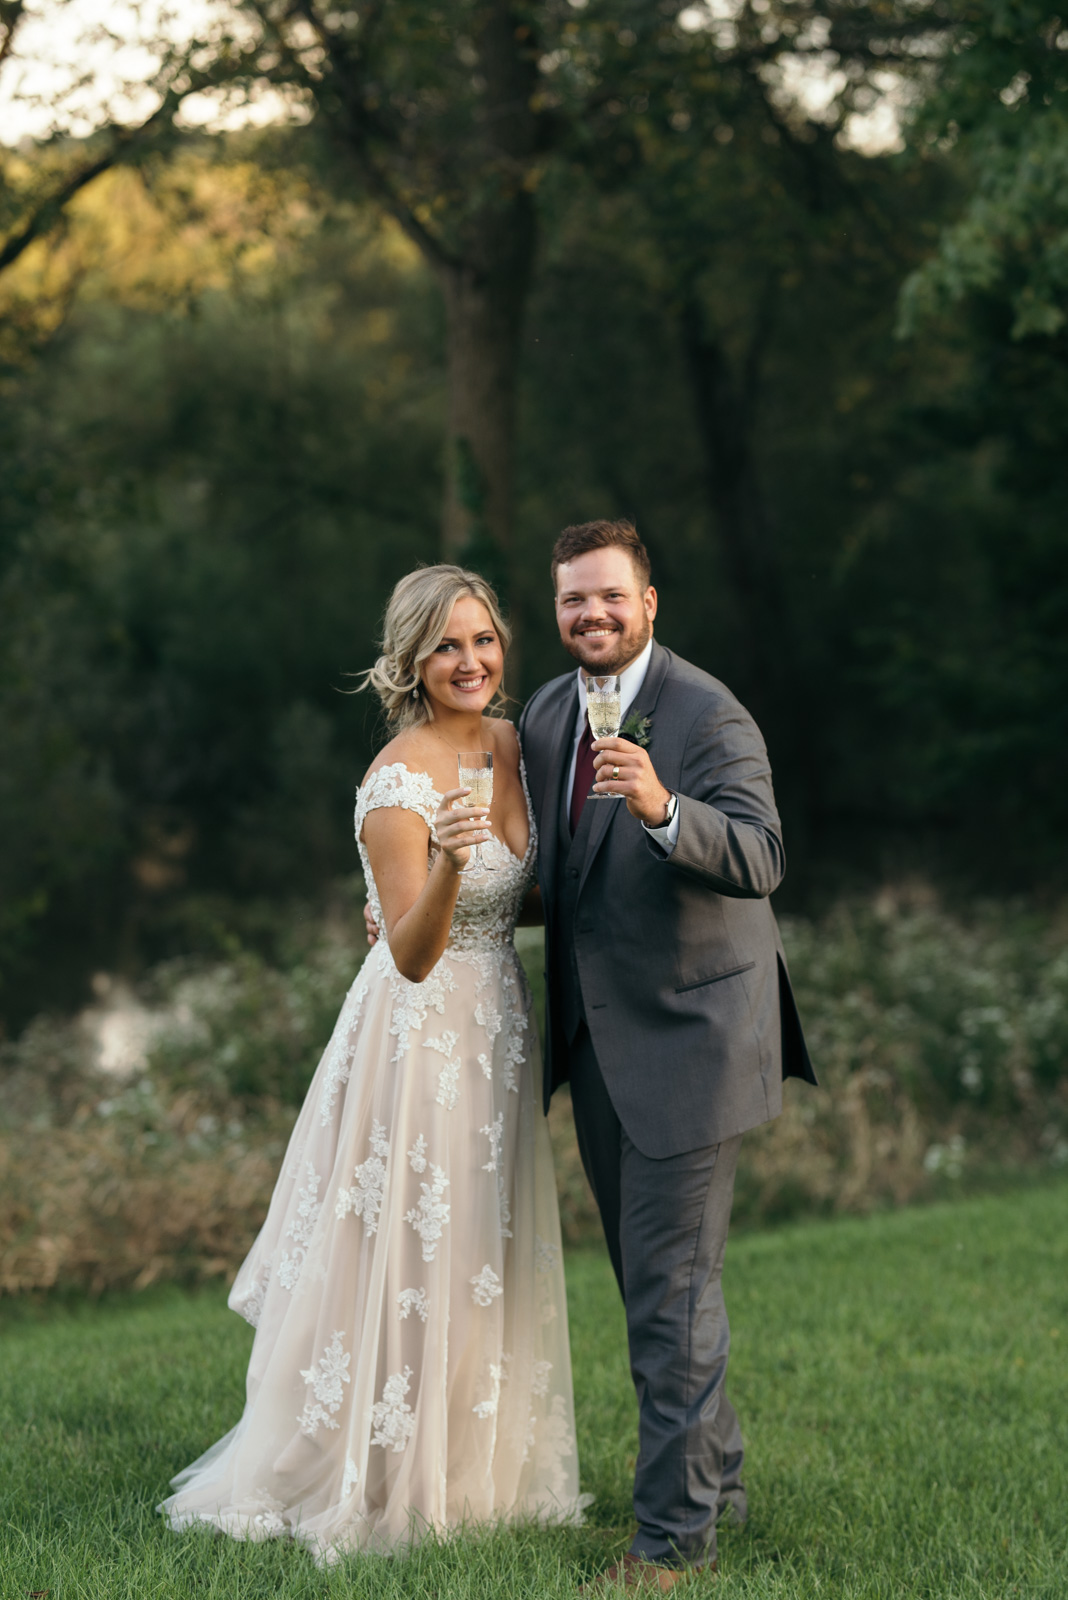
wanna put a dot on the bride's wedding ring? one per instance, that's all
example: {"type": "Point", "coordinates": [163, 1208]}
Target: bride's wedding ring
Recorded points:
{"type": "Point", "coordinates": [615, 772]}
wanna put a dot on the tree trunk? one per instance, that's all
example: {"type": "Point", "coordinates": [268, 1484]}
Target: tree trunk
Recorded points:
{"type": "Point", "coordinates": [484, 317]}
{"type": "Point", "coordinates": [770, 655]}
{"type": "Point", "coordinates": [724, 400]}
{"type": "Point", "coordinates": [468, 204]}
{"type": "Point", "coordinates": [485, 290]}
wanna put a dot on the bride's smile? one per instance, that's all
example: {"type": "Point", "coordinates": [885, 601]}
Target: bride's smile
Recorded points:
{"type": "Point", "coordinates": [464, 671]}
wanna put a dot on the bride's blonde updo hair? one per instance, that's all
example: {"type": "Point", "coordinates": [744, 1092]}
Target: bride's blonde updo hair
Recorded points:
{"type": "Point", "coordinates": [415, 622]}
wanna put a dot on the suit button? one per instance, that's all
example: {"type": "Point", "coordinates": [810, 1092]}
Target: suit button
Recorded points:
{"type": "Point", "coordinates": [572, 872]}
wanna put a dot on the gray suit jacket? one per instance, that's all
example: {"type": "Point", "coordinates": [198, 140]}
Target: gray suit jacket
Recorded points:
{"type": "Point", "coordinates": [683, 980]}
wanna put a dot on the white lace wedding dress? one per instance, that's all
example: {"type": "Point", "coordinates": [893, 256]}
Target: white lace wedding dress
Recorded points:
{"type": "Point", "coordinates": [411, 1367]}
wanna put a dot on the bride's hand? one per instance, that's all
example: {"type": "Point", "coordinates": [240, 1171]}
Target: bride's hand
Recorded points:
{"type": "Point", "coordinates": [458, 827]}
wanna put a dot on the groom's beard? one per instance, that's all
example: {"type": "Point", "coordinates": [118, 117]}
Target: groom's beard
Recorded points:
{"type": "Point", "coordinates": [628, 647]}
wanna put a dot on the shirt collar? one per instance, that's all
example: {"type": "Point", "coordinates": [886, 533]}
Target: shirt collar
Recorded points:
{"type": "Point", "coordinates": [630, 682]}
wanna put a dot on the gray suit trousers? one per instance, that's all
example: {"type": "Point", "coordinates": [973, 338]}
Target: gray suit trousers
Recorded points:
{"type": "Point", "coordinates": [666, 1223]}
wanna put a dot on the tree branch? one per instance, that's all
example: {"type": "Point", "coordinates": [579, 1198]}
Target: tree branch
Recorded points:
{"type": "Point", "coordinates": [46, 214]}
{"type": "Point", "coordinates": [125, 141]}
{"type": "Point", "coordinates": [346, 72]}
{"type": "Point", "coordinates": [11, 13]}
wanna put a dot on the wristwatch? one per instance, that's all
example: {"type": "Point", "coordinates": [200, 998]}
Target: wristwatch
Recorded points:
{"type": "Point", "coordinates": [673, 806]}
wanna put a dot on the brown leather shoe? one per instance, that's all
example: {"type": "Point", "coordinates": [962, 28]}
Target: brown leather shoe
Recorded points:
{"type": "Point", "coordinates": [631, 1573]}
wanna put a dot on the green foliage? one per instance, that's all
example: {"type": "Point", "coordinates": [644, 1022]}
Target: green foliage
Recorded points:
{"type": "Point", "coordinates": [230, 450]}
{"type": "Point", "coordinates": [892, 1396]}
{"type": "Point", "coordinates": [59, 804]}
{"type": "Point", "coordinates": [941, 1041]}
{"type": "Point", "coordinates": [246, 1031]}
{"type": "Point", "coordinates": [1002, 92]}
{"type": "Point", "coordinates": [901, 633]}
{"type": "Point", "coordinates": [205, 510]}
{"type": "Point", "coordinates": [965, 1011]}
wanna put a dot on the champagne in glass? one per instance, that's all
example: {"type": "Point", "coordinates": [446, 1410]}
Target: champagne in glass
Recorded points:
{"type": "Point", "coordinates": [605, 712]}
{"type": "Point", "coordinates": [476, 774]}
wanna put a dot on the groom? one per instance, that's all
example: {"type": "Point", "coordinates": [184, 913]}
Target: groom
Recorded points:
{"type": "Point", "coordinates": [669, 1008]}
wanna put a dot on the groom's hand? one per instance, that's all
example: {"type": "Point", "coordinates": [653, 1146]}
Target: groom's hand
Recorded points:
{"type": "Point", "coordinates": [624, 768]}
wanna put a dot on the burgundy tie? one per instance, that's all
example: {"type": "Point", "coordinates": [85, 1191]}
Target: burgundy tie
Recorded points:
{"type": "Point", "coordinates": [584, 776]}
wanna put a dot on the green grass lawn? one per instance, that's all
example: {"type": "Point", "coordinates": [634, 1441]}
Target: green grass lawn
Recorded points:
{"type": "Point", "coordinates": [902, 1382]}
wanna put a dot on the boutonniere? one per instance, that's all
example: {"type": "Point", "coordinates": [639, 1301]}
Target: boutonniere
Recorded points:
{"type": "Point", "coordinates": [636, 728]}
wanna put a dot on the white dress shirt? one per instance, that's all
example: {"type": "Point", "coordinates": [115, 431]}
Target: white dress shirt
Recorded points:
{"type": "Point", "coordinates": [630, 683]}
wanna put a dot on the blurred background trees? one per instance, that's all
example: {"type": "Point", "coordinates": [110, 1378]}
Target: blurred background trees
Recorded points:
{"type": "Point", "coordinates": [506, 268]}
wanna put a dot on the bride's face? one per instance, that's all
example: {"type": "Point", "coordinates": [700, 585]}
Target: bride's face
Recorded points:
{"type": "Point", "coordinates": [463, 673]}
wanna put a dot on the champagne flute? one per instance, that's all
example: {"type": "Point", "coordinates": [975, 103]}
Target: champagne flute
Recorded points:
{"type": "Point", "coordinates": [605, 712]}
{"type": "Point", "coordinates": [476, 774]}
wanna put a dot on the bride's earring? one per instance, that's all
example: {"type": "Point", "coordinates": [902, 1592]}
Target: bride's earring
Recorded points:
{"type": "Point", "coordinates": [415, 692]}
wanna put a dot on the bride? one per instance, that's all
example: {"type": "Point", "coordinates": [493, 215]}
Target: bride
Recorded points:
{"type": "Point", "coordinates": [411, 1368]}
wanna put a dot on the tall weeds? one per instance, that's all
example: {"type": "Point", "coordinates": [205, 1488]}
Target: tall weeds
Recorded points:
{"type": "Point", "coordinates": [940, 1038]}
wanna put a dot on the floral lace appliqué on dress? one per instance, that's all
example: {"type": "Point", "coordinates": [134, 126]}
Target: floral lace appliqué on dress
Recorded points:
{"type": "Point", "coordinates": [382, 1398]}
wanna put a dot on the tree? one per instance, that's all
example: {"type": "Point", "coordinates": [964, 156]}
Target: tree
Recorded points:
{"type": "Point", "coordinates": [748, 191]}
{"type": "Point", "coordinates": [38, 189]}
{"type": "Point", "coordinates": [1000, 102]}
{"type": "Point", "coordinates": [213, 473]}
{"type": "Point", "coordinates": [448, 114]}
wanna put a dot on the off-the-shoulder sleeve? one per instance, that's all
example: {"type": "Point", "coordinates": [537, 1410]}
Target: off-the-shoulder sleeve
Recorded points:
{"type": "Point", "coordinates": [395, 785]}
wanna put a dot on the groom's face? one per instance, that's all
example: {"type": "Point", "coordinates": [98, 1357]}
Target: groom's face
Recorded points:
{"type": "Point", "coordinates": [604, 613]}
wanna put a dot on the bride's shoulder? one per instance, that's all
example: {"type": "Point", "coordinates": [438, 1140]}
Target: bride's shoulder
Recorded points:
{"type": "Point", "coordinates": [407, 761]}
{"type": "Point", "coordinates": [507, 752]}
{"type": "Point", "coordinates": [504, 736]}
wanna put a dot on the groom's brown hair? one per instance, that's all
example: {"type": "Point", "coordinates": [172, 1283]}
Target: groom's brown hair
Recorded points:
{"type": "Point", "coordinates": [583, 537]}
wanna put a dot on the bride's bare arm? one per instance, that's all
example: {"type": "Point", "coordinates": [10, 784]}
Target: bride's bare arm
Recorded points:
{"type": "Point", "coordinates": [417, 905]}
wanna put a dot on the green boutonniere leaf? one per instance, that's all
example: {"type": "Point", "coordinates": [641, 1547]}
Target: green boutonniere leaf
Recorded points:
{"type": "Point", "coordinates": [636, 728]}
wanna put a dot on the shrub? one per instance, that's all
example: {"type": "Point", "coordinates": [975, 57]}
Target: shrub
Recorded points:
{"type": "Point", "coordinates": [940, 1038]}
{"type": "Point", "coordinates": [110, 1182]}
{"type": "Point", "coordinates": [941, 1042]}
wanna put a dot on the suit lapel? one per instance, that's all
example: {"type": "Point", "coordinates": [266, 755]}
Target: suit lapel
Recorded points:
{"type": "Point", "coordinates": [605, 811]}
{"type": "Point", "coordinates": [558, 712]}
{"type": "Point", "coordinates": [649, 693]}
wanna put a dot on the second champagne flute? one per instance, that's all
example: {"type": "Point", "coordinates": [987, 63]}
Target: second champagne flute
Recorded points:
{"type": "Point", "coordinates": [605, 713]}
{"type": "Point", "coordinates": [476, 774]}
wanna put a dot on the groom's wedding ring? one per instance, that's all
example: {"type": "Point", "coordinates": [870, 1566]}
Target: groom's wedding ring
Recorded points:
{"type": "Point", "coordinates": [615, 772]}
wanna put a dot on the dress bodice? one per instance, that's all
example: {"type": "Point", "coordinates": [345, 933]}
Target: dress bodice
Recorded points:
{"type": "Point", "coordinates": [488, 902]}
